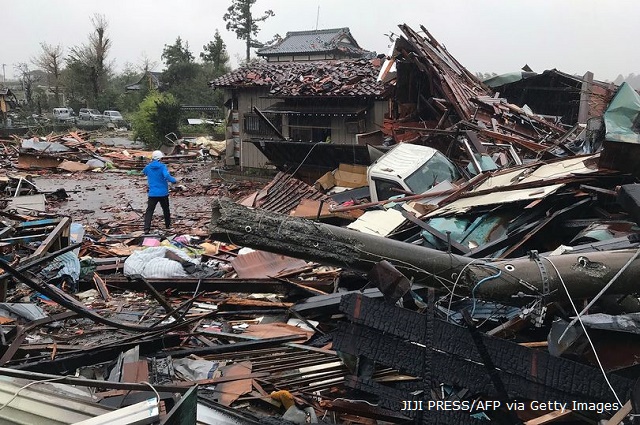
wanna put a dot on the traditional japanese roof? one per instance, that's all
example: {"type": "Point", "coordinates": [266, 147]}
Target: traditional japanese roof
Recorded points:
{"type": "Point", "coordinates": [343, 78]}
{"type": "Point", "coordinates": [316, 41]}
{"type": "Point", "coordinates": [150, 77]}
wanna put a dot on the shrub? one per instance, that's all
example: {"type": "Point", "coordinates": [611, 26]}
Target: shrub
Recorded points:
{"type": "Point", "coordinates": [158, 115]}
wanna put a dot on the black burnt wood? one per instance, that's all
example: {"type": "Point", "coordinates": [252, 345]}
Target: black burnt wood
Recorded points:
{"type": "Point", "coordinates": [383, 333]}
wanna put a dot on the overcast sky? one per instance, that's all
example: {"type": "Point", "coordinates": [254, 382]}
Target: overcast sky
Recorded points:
{"type": "Point", "coordinates": [499, 36]}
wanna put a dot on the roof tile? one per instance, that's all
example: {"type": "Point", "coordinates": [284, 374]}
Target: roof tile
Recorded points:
{"type": "Point", "coordinates": [343, 78]}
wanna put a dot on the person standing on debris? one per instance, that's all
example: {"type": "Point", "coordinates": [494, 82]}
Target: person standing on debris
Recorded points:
{"type": "Point", "coordinates": [158, 178]}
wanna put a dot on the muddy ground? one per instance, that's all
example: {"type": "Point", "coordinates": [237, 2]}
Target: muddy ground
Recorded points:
{"type": "Point", "coordinates": [117, 199]}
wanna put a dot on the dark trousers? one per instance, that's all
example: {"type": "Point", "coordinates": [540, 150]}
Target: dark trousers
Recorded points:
{"type": "Point", "coordinates": [151, 207]}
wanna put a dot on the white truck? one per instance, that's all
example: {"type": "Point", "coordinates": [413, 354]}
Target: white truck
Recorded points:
{"type": "Point", "coordinates": [408, 168]}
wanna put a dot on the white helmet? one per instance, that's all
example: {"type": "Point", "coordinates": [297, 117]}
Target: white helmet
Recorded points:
{"type": "Point", "coordinates": [157, 155]}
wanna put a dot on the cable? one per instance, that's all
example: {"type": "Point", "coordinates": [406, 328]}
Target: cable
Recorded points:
{"type": "Point", "coordinates": [455, 283]}
{"type": "Point", "coordinates": [154, 390]}
{"type": "Point", "coordinates": [584, 329]}
{"type": "Point", "coordinates": [483, 280]}
{"type": "Point", "coordinates": [356, 401]}
{"type": "Point", "coordinates": [27, 386]}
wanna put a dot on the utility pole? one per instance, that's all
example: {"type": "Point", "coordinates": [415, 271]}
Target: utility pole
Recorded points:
{"type": "Point", "coordinates": [317, 17]}
{"type": "Point", "coordinates": [4, 78]}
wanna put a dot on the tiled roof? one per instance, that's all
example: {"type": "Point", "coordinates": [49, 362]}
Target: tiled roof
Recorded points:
{"type": "Point", "coordinates": [316, 41]}
{"type": "Point", "coordinates": [344, 78]}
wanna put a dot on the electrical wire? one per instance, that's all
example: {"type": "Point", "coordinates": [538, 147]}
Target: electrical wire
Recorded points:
{"type": "Point", "coordinates": [455, 283]}
{"type": "Point", "coordinates": [154, 390]}
{"type": "Point", "coordinates": [584, 329]}
{"type": "Point", "coordinates": [27, 386]}
{"type": "Point", "coordinates": [483, 280]}
{"type": "Point", "coordinates": [602, 291]}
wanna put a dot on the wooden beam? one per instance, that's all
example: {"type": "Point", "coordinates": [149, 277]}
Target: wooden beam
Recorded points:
{"type": "Point", "coordinates": [549, 417]}
{"type": "Point", "coordinates": [61, 230]}
{"type": "Point", "coordinates": [620, 414]}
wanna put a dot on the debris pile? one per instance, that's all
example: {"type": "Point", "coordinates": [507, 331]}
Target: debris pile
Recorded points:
{"type": "Point", "coordinates": [487, 273]}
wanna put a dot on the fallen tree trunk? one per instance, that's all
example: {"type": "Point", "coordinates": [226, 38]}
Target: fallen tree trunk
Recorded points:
{"type": "Point", "coordinates": [511, 281]}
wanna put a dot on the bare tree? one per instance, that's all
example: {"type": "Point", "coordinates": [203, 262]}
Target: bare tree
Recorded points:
{"type": "Point", "coordinates": [145, 64]}
{"type": "Point", "coordinates": [50, 61]}
{"type": "Point", "coordinates": [27, 79]}
{"type": "Point", "coordinates": [93, 55]}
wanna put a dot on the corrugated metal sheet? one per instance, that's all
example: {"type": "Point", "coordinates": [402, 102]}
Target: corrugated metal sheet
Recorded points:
{"type": "Point", "coordinates": [284, 193]}
{"type": "Point", "coordinates": [44, 403]}
{"type": "Point", "coordinates": [465, 204]}
{"type": "Point", "coordinates": [260, 264]}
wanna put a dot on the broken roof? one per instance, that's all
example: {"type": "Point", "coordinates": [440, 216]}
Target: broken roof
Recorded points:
{"type": "Point", "coordinates": [340, 78]}
{"type": "Point", "coordinates": [455, 82]}
{"type": "Point", "coordinates": [316, 41]}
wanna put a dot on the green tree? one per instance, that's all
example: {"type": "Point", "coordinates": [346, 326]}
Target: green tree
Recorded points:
{"type": "Point", "coordinates": [157, 116]}
{"type": "Point", "coordinates": [240, 20]}
{"type": "Point", "coordinates": [181, 71]}
{"type": "Point", "coordinates": [177, 53]}
{"type": "Point", "coordinates": [215, 53]}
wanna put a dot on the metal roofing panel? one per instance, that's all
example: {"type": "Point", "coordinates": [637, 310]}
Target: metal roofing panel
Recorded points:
{"type": "Point", "coordinates": [563, 168]}
{"type": "Point", "coordinates": [258, 264]}
{"type": "Point", "coordinates": [537, 172]}
{"type": "Point", "coordinates": [465, 204]}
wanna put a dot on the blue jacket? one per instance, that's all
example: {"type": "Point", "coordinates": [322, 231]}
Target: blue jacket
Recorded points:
{"type": "Point", "coordinates": [158, 177]}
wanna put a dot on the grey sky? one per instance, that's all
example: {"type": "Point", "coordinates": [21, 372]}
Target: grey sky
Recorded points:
{"type": "Point", "coordinates": [484, 35]}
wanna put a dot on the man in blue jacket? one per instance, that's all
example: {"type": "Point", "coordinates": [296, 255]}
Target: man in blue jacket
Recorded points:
{"type": "Point", "coordinates": [158, 177]}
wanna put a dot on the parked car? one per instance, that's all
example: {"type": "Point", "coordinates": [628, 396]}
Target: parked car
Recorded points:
{"type": "Point", "coordinates": [112, 116]}
{"type": "Point", "coordinates": [62, 114]}
{"type": "Point", "coordinates": [90, 114]}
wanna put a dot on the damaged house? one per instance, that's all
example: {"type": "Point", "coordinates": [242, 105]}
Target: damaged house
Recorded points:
{"type": "Point", "coordinates": [328, 101]}
{"type": "Point", "coordinates": [8, 102]}
{"type": "Point", "coordinates": [566, 98]}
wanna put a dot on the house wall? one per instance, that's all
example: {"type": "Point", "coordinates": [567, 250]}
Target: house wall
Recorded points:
{"type": "Point", "coordinates": [372, 121]}
{"type": "Point", "coordinates": [250, 156]}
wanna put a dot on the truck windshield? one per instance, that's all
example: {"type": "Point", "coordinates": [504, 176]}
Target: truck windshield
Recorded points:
{"type": "Point", "coordinates": [435, 170]}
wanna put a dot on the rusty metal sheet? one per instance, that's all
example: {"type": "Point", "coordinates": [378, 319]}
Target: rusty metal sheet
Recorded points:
{"type": "Point", "coordinates": [260, 264]}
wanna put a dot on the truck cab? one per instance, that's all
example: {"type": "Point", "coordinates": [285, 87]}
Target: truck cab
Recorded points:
{"type": "Point", "coordinates": [408, 168]}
